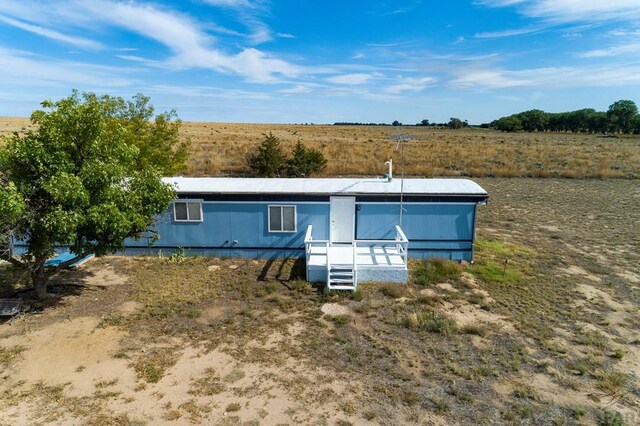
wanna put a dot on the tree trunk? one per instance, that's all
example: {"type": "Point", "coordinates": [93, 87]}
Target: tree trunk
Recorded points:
{"type": "Point", "coordinates": [39, 280]}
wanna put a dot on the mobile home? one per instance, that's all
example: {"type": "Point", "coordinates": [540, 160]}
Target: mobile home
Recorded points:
{"type": "Point", "coordinates": [347, 230]}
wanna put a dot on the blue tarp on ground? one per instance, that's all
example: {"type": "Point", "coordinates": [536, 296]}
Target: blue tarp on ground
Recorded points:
{"type": "Point", "coordinates": [64, 257]}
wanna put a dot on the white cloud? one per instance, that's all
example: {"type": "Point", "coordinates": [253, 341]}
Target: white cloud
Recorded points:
{"type": "Point", "coordinates": [189, 44]}
{"type": "Point", "coordinates": [351, 79]}
{"type": "Point", "coordinates": [628, 49]}
{"type": "Point", "coordinates": [54, 35]}
{"type": "Point", "coordinates": [550, 77]}
{"type": "Point", "coordinates": [410, 85]}
{"type": "Point", "coordinates": [187, 40]}
{"type": "Point", "coordinates": [229, 3]}
{"type": "Point", "coordinates": [507, 33]}
{"type": "Point", "coordinates": [248, 13]}
{"type": "Point", "coordinates": [574, 10]}
{"type": "Point", "coordinates": [16, 68]}
{"type": "Point", "coordinates": [299, 89]}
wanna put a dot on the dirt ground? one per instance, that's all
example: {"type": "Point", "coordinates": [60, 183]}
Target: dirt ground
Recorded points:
{"type": "Point", "coordinates": [542, 329]}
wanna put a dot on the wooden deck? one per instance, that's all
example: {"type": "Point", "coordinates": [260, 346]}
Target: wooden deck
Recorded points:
{"type": "Point", "coordinates": [374, 256]}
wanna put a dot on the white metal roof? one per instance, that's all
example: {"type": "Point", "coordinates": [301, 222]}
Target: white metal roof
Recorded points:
{"type": "Point", "coordinates": [324, 186]}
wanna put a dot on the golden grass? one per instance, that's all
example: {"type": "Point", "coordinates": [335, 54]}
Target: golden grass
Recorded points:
{"type": "Point", "coordinates": [221, 149]}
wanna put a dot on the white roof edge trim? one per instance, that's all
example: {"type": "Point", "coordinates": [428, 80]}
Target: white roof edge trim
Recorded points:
{"type": "Point", "coordinates": [325, 186]}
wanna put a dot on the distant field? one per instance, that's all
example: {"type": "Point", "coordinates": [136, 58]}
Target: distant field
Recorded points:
{"type": "Point", "coordinates": [221, 149]}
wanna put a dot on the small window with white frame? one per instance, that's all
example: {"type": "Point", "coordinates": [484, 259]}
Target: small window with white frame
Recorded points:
{"type": "Point", "coordinates": [187, 211]}
{"type": "Point", "coordinates": [282, 219]}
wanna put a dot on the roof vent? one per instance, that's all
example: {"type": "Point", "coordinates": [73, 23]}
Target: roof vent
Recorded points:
{"type": "Point", "coordinates": [389, 176]}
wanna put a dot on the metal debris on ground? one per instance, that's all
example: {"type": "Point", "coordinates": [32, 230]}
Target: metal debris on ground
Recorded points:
{"type": "Point", "coordinates": [12, 308]}
{"type": "Point", "coordinates": [9, 307]}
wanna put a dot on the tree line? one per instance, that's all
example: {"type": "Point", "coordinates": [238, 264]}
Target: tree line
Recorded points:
{"type": "Point", "coordinates": [621, 117]}
{"type": "Point", "coordinates": [453, 123]}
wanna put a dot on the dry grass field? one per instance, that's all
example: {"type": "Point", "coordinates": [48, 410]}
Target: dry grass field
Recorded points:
{"type": "Point", "coordinates": [544, 328]}
{"type": "Point", "coordinates": [221, 149]}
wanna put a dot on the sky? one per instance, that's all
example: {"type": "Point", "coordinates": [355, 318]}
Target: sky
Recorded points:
{"type": "Point", "coordinates": [297, 61]}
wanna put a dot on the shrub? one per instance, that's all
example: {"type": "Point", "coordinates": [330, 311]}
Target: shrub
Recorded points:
{"type": "Point", "coordinates": [269, 160]}
{"type": "Point", "coordinates": [435, 271]}
{"type": "Point", "coordinates": [392, 290]}
{"type": "Point", "coordinates": [611, 418]}
{"type": "Point", "coordinates": [432, 322]}
{"type": "Point", "coordinates": [305, 162]}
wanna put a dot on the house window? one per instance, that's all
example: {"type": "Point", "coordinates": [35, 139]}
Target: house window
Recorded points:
{"type": "Point", "coordinates": [187, 211]}
{"type": "Point", "coordinates": [282, 218]}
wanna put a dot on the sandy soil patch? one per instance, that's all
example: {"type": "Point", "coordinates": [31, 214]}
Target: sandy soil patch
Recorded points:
{"type": "Point", "coordinates": [578, 271]}
{"type": "Point", "coordinates": [77, 351]}
{"type": "Point", "coordinates": [469, 314]}
{"type": "Point", "coordinates": [335, 309]}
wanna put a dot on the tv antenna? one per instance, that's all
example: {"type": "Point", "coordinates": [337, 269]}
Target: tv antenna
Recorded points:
{"type": "Point", "coordinates": [401, 139]}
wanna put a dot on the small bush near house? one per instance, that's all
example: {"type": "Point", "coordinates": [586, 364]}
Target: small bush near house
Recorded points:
{"type": "Point", "coordinates": [435, 271]}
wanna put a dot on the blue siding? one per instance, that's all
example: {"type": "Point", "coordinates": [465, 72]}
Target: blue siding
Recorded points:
{"type": "Point", "coordinates": [433, 230]}
{"type": "Point", "coordinates": [244, 222]}
{"type": "Point", "coordinates": [420, 221]}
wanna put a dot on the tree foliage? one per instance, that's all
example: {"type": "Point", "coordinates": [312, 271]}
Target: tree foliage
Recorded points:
{"type": "Point", "coordinates": [455, 123]}
{"type": "Point", "coordinates": [509, 124]}
{"type": "Point", "coordinates": [304, 162]}
{"type": "Point", "coordinates": [87, 177]}
{"type": "Point", "coordinates": [621, 117]}
{"type": "Point", "coordinates": [269, 160]}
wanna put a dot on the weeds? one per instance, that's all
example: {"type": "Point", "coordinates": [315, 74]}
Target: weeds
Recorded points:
{"type": "Point", "coordinates": [209, 384]}
{"type": "Point", "coordinates": [525, 391]}
{"type": "Point", "coordinates": [393, 290]}
{"type": "Point", "coordinates": [8, 355]}
{"type": "Point", "coordinates": [432, 322]}
{"type": "Point", "coordinates": [434, 271]}
{"type": "Point", "coordinates": [613, 383]}
{"type": "Point", "coordinates": [475, 329]}
{"type": "Point", "coordinates": [152, 365]}
{"type": "Point", "coordinates": [610, 418]}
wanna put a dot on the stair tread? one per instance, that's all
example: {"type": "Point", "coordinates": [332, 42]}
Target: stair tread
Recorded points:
{"type": "Point", "coordinates": [342, 287]}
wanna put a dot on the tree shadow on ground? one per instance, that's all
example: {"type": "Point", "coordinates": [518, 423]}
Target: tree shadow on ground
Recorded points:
{"type": "Point", "coordinates": [15, 284]}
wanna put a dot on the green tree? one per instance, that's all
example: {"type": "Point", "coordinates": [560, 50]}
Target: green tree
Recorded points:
{"type": "Point", "coordinates": [76, 181]}
{"type": "Point", "coordinates": [508, 124]}
{"type": "Point", "coordinates": [396, 123]}
{"type": "Point", "coordinates": [157, 137]}
{"type": "Point", "coordinates": [305, 162]}
{"type": "Point", "coordinates": [269, 160]}
{"type": "Point", "coordinates": [455, 123]}
{"type": "Point", "coordinates": [621, 115]}
{"type": "Point", "coordinates": [534, 120]}
{"type": "Point", "coordinates": [424, 122]}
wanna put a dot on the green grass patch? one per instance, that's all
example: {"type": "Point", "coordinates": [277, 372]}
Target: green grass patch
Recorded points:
{"type": "Point", "coordinates": [501, 249]}
{"type": "Point", "coordinates": [493, 272]}
{"type": "Point", "coordinates": [434, 271]}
